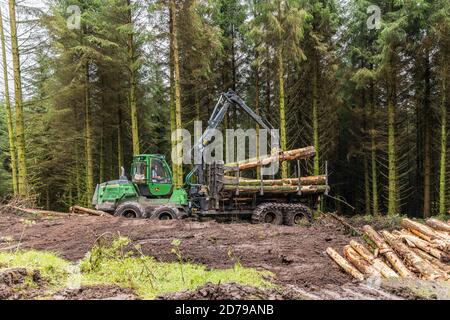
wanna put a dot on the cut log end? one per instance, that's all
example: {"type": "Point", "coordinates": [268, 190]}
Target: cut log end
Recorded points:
{"type": "Point", "coordinates": [344, 264]}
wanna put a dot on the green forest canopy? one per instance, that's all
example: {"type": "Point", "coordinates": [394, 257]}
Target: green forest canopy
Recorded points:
{"type": "Point", "coordinates": [371, 98]}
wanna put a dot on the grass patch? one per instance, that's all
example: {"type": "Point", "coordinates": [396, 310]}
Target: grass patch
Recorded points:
{"type": "Point", "coordinates": [116, 264]}
{"type": "Point", "coordinates": [53, 268]}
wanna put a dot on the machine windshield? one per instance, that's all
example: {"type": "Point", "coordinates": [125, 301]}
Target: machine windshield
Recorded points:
{"type": "Point", "coordinates": [139, 171]}
{"type": "Point", "coordinates": [159, 173]}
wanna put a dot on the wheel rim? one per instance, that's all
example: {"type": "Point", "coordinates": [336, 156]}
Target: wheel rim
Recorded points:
{"type": "Point", "coordinates": [131, 214]}
{"type": "Point", "coordinates": [299, 219]}
{"type": "Point", "coordinates": [165, 216]}
{"type": "Point", "coordinates": [269, 217]}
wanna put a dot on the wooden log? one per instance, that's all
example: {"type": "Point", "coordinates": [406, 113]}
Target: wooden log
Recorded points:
{"type": "Point", "coordinates": [361, 264]}
{"type": "Point", "coordinates": [344, 264]}
{"type": "Point", "coordinates": [388, 253]}
{"type": "Point", "coordinates": [435, 262]}
{"type": "Point", "coordinates": [304, 181]}
{"type": "Point", "coordinates": [424, 229]}
{"type": "Point", "coordinates": [377, 263]}
{"type": "Point", "coordinates": [81, 210]}
{"type": "Point", "coordinates": [423, 245]}
{"type": "Point", "coordinates": [438, 225]}
{"type": "Point", "coordinates": [428, 271]}
{"type": "Point", "coordinates": [277, 189]}
{"type": "Point", "coordinates": [298, 154]}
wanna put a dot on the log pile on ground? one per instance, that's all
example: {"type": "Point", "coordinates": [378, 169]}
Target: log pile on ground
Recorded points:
{"type": "Point", "coordinates": [417, 251]}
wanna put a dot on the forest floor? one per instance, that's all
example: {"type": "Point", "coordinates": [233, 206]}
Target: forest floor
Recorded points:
{"type": "Point", "coordinates": [294, 255]}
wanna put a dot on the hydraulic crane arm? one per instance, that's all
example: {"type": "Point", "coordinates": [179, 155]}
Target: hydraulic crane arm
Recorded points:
{"type": "Point", "coordinates": [226, 101]}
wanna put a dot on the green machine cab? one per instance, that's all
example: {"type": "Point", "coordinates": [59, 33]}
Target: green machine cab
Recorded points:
{"type": "Point", "coordinates": [151, 187]}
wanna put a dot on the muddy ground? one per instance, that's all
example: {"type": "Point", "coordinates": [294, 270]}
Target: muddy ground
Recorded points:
{"type": "Point", "coordinates": [296, 255]}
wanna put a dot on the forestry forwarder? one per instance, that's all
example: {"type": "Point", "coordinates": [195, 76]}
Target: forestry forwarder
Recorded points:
{"type": "Point", "coordinates": [151, 193]}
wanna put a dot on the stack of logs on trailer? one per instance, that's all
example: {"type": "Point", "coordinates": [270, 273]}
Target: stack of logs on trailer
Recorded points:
{"type": "Point", "coordinates": [229, 191]}
{"type": "Point", "coordinates": [417, 251]}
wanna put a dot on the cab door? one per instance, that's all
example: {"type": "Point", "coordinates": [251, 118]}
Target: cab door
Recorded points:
{"type": "Point", "coordinates": [160, 178]}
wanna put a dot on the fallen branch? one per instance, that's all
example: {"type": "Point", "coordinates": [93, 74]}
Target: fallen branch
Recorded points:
{"type": "Point", "coordinates": [344, 223]}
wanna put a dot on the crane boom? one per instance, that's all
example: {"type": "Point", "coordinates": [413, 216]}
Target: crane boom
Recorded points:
{"type": "Point", "coordinates": [226, 101]}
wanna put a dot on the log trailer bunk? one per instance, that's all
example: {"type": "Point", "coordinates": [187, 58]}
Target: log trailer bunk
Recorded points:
{"type": "Point", "coordinates": [151, 193]}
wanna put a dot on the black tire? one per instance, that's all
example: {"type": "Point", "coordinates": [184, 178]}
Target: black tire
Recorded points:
{"type": "Point", "coordinates": [268, 215]}
{"type": "Point", "coordinates": [131, 210]}
{"type": "Point", "coordinates": [297, 216]}
{"type": "Point", "coordinates": [165, 213]}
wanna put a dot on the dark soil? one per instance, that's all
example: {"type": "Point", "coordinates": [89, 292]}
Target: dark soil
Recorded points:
{"type": "Point", "coordinates": [295, 255]}
{"type": "Point", "coordinates": [232, 291]}
{"type": "Point", "coordinates": [96, 293]}
{"type": "Point", "coordinates": [20, 283]}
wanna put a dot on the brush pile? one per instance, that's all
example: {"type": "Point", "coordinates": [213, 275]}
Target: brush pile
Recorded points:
{"type": "Point", "coordinates": [417, 251]}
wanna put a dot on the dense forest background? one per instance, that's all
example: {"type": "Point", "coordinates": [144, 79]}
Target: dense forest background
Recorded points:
{"type": "Point", "coordinates": [369, 94]}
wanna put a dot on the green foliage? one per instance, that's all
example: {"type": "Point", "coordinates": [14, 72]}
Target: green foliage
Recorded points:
{"type": "Point", "coordinates": [119, 264]}
{"type": "Point", "coordinates": [53, 268]}
{"type": "Point", "coordinates": [367, 98]}
{"type": "Point", "coordinates": [116, 265]}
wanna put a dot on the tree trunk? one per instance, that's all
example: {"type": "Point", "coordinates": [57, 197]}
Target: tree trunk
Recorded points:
{"type": "Point", "coordinates": [101, 174]}
{"type": "Point", "coordinates": [427, 144]}
{"type": "Point", "coordinates": [443, 161]}
{"type": "Point", "coordinates": [120, 161]}
{"type": "Point", "coordinates": [88, 136]}
{"type": "Point", "coordinates": [283, 137]}
{"type": "Point", "coordinates": [365, 157]}
{"type": "Point", "coordinates": [132, 67]}
{"type": "Point", "coordinates": [9, 115]}
{"type": "Point", "coordinates": [177, 89]}
{"type": "Point", "coordinates": [20, 124]}
{"type": "Point", "coordinates": [373, 153]}
{"type": "Point", "coordinates": [392, 156]}
{"type": "Point", "coordinates": [315, 116]}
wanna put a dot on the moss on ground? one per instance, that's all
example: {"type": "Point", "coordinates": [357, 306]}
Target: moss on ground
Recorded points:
{"type": "Point", "coordinates": [114, 264]}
